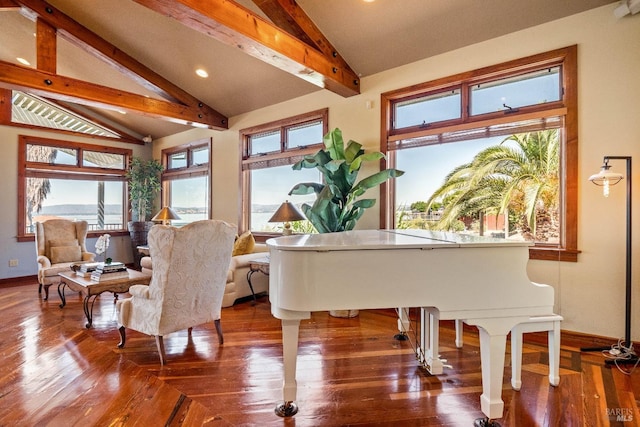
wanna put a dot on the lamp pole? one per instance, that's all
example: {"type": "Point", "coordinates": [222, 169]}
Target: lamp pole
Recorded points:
{"type": "Point", "coordinates": [627, 327]}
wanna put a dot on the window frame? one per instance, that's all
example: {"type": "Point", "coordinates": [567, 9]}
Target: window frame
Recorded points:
{"type": "Point", "coordinates": [566, 107]}
{"type": "Point", "coordinates": [284, 156]}
{"type": "Point", "coordinates": [27, 169]}
{"type": "Point", "coordinates": [191, 170]}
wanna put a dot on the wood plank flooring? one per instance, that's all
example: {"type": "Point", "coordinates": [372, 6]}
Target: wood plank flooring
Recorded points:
{"type": "Point", "coordinates": [351, 372]}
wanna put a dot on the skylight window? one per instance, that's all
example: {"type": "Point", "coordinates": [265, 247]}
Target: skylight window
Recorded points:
{"type": "Point", "coordinates": [32, 110]}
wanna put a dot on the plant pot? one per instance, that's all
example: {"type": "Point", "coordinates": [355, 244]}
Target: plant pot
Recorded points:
{"type": "Point", "coordinates": [138, 231]}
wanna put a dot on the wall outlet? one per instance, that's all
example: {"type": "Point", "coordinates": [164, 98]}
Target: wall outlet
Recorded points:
{"type": "Point", "coordinates": [13, 263]}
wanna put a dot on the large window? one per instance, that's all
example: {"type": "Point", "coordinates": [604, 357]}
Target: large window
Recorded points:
{"type": "Point", "coordinates": [268, 151]}
{"type": "Point", "coordinates": [490, 151]}
{"type": "Point", "coordinates": [59, 179]}
{"type": "Point", "coordinates": [186, 181]}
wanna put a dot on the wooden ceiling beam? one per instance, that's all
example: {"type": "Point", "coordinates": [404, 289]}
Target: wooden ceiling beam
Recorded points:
{"type": "Point", "coordinates": [95, 45]}
{"type": "Point", "coordinates": [47, 51]}
{"type": "Point", "coordinates": [5, 106]}
{"type": "Point", "coordinates": [7, 5]}
{"type": "Point", "coordinates": [289, 16]}
{"type": "Point", "coordinates": [66, 89]}
{"type": "Point", "coordinates": [232, 24]}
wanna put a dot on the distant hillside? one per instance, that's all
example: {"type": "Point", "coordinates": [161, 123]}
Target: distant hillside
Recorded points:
{"type": "Point", "coordinates": [88, 209]}
{"type": "Point", "coordinates": [77, 209]}
{"type": "Point", "coordinates": [91, 209]}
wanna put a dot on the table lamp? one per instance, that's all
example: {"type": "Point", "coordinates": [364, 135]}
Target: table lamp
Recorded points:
{"type": "Point", "coordinates": [287, 212]}
{"type": "Point", "coordinates": [165, 215]}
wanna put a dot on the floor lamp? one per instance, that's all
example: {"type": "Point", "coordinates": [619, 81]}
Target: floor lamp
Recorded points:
{"type": "Point", "coordinates": [606, 178]}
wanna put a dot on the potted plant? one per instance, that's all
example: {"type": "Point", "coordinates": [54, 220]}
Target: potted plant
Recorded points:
{"type": "Point", "coordinates": [143, 178]}
{"type": "Point", "coordinates": [338, 205]}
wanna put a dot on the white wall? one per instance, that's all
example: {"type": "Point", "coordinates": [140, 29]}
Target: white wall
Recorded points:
{"type": "Point", "coordinates": [589, 293]}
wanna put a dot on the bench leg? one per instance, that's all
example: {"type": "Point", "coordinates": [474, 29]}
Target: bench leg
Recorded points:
{"type": "Point", "coordinates": [459, 331]}
{"type": "Point", "coordinates": [552, 327]}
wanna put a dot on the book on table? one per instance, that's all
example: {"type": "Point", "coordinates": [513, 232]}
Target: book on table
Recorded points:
{"type": "Point", "coordinates": [112, 266]}
{"type": "Point", "coordinates": [88, 267]}
{"type": "Point", "coordinates": [113, 270]}
{"type": "Point", "coordinates": [97, 276]}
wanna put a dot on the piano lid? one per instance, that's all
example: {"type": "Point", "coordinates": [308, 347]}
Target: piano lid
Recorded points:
{"type": "Point", "coordinates": [385, 239]}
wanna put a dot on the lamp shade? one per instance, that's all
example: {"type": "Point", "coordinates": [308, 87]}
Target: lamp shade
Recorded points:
{"type": "Point", "coordinates": [287, 212]}
{"type": "Point", "coordinates": [606, 177]}
{"type": "Point", "coordinates": [165, 214]}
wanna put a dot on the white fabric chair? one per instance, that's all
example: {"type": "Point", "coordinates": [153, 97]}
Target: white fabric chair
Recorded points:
{"type": "Point", "coordinates": [189, 274]}
{"type": "Point", "coordinates": [59, 243]}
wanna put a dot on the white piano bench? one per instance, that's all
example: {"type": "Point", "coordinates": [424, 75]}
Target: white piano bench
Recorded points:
{"type": "Point", "coordinates": [550, 324]}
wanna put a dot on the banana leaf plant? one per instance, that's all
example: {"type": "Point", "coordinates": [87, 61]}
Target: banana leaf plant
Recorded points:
{"type": "Point", "coordinates": [338, 206]}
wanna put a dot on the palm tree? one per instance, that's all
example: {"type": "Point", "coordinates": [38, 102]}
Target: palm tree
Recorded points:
{"type": "Point", "coordinates": [38, 188]}
{"type": "Point", "coordinates": [520, 177]}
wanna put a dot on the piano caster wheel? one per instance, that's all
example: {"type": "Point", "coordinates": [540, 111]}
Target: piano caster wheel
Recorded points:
{"type": "Point", "coordinates": [402, 336]}
{"type": "Point", "coordinates": [286, 409]}
{"type": "Point", "coordinates": [485, 422]}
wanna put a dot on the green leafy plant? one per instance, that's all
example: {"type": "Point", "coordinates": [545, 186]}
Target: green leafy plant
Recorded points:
{"type": "Point", "coordinates": [144, 184]}
{"type": "Point", "coordinates": [338, 206]}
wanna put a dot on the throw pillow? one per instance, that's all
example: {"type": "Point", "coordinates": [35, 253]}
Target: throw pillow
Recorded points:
{"type": "Point", "coordinates": [65, 254]}
{"type": "Point", "coordinates": [55, 242]}
{"type": "Point", "coordinates": [70, 242]}
{"type": "Point", "coordinates": [244, 244]}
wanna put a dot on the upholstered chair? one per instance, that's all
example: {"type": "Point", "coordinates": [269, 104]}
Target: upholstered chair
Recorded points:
{"type": "Point", "coordinates": [59, 243]}
{"type": "Point", "coordinates": [189, 274]}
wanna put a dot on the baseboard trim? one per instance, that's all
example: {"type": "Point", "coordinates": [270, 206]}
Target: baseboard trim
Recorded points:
{"type": "Point", "coordinates": [18, 281]}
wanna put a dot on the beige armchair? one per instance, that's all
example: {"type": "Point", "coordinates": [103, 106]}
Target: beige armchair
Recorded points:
{"type": "Point", "coordinates": [189, 274]}
{"type": "Point", "coordinates": [59, 243]}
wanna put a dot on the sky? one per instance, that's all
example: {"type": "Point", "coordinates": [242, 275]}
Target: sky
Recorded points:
{"type": "Point", "coordinates": [428, 166]}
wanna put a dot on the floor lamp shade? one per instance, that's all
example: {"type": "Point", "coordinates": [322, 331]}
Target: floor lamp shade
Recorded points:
{"type": "Point", "coordinates": [605, 177]}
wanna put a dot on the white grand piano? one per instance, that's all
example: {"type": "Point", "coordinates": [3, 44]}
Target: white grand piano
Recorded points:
{"type": "Point", "coordinates": [480, 280]}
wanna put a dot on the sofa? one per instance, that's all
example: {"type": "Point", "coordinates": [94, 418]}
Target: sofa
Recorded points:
{"type": "Point", "coordinates": [237, 285]}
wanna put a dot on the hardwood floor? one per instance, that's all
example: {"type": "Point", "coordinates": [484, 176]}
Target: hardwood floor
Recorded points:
{"type": "Point", "coordinates": [55, 372]}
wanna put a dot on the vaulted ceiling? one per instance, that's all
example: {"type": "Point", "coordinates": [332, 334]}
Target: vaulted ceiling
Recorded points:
{"type": "Point", "coordinates": [140, 56]}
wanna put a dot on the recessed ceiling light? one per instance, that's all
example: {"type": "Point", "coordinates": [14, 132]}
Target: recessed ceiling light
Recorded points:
{"type": "Point", "coordinates": [368, 1]}
{"type": "Point", "coordinates": [23, 61]}
{"type": "Point", "coordinates": [202, 73]}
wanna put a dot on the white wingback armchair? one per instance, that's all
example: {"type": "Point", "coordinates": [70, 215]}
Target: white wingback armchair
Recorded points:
{"type": "Point", "coordinates": [190, 266]}
{"type": "Point", "coordinates": [59, 243]}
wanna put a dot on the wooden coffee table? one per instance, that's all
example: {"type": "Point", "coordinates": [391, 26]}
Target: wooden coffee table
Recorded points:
{"type": "Point", "coordinates": [91, 289]}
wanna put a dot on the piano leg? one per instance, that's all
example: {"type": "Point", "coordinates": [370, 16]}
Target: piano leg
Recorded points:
{"type": "Point", "coordinates": [290, 329]}
{"type": "Point", "coordinates": [430, 337]}
{"type": "Point", "coordinates": [403, 324]}
{"type": "Point", "coordinates": [493, 343]}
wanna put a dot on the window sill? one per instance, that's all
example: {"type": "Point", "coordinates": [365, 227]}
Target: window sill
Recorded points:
{"type": "Point", "coordinates": [553, 254]}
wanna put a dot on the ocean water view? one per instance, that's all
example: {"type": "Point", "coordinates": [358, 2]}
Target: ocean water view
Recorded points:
{"type": "Point", "coordinates": [260, 220]}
